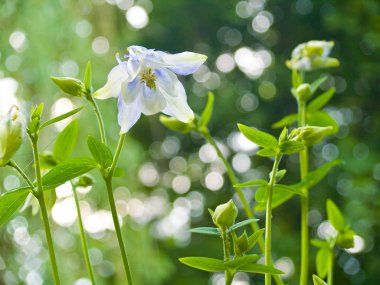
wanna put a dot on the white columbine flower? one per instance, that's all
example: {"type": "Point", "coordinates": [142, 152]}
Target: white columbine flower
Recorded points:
{"type": "Point", "coordinates": [312, 55]}
{"type": "Point", "coordinates": [12, 131]}
{"type": "Point", "coordinates": [147, 83]}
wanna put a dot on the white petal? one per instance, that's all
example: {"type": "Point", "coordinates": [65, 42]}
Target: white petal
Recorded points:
{"type": "Point", "coordinates": [183, 63]}
{"type": "Point", "coordinates": [151, 101]}
{"type": "Point", "coordinates": [175, 96]}
{"type": "Point", "coordinates": [128, 114]}
{"type": "Point", "coordinates": [131, 90]}
{"type": "Point", "coordinates": [113, 86]}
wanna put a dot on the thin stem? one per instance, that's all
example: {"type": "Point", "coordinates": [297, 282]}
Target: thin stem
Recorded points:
{"type": "Point", "coordinates": [330, 276]}
{"type": "Point", "coordinates": [229, 276]}
{"type": "Point", "coordinates": [108, 180]}
{"type": "Point", "coordinates": [83, 238]}
{"type": "Point", "coordinates": [13, 164]}
{"type": "Point", "coordinates": [304, 168]}
{"type": "Point", "coordinates": [100, 120]}
{"type": "Point", "coordinates": [234, 181]}
{"type": "Point", "coordinates": [268, 220]}
{"type": "Point", "coordinates": [44, 214]}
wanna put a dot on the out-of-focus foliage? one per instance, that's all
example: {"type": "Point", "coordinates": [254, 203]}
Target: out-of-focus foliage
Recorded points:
{"type": "Point", "coordinates": [170, 179]}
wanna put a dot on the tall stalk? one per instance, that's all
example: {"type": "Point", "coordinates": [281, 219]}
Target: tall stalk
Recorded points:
{"type": "Point", "coordinates": [330, 275]}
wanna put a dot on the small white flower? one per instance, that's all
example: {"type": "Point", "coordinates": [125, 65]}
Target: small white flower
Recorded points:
{"type": "Point", "coordinates": [312, 55]}
{"type": "Point", "coordinates": [147, 83]}
{"type": "Point", "coordinates": [12, 131]}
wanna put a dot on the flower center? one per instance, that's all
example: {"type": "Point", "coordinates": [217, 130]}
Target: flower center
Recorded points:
{"type": "Point", "coordinates": [149, 78]}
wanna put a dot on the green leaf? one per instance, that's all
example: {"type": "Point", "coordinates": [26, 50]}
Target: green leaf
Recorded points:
{"type": "Point", "coordinates": [261, 195]}
{"type": "Point", "coordinates": [175, 125]}
{"type": "Point", "coordinates": [100, 152]}
{"type": "Point", "coordinates": [290, 147]}
{"type": "Point", "coordinates": [279, 175]}
{"type": "Point", "coordinates": [266, 152]}
{"type": "Point", "coordinates": [315, 85]}
{"type": "Point", "coordinates": [259, 268]}
{"type": "Point", "coordinates": [322, 119]}
{"type": "Point", "coordinates": [206, 231]}
{"type": "Point", "coordinates": [258, 137]}
{"type": "Point", "coordinates": [321, 100]}
{"type": "Point", "coordinates": [87, 77]}
{"type": "Point", "coordinates": [10, 202]}
{"type": "Point", "coordinates": [251, 183]}
{"type": "Point", "coordinates": [312, 178]}
{"type": "Point", "coordinates": [254, 238]}
{"type": "Point", "coordinates": [204, 263]}
{"type": "Point", "coordinates": [118, 172]}
{"type": "Point", "coordinates": [319, 243]}
{"type": "Point", "coordinates": [318, 281]}
{"type": "Point", "coordinates": [335, 216]}
{"type": "Point", "coordinates": [322, 261]}
{"type": "Point", "coordinates": [61, 117]}
{"type": "Point", "coordinates": [65, 142]}
{"type": "Point", "coordinates": [207, 112]}
{"type": "Point", "coordinates": [67, 170]}
{"type": "Point", "coordinates": [279, 198]}
{"type": "Point", "coordinates": [242, 260]}
{"type": "Point", "coordinates": [293, 189]}
{"type": "Point", "coordinates": [286, 121]}
{"type": "Point", "coordinates": [242, 224]}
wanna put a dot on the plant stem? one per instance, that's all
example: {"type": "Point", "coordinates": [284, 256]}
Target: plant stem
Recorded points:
{"type": "Point", "coordinates": [44, 214]}
{"type": "Point", "coordinates": [108, 180]}
{"type": "Point", "coordinates": [331, 269]}
{"type": "Point", "coordinates": [100, 120]}
{"type": "Point", "coordinates": [268, 219]}
{"type": "Point", "coordinates": [83, 238]}
{"type": "Point", "coordinates": [233, 180]}
{"type": "Point", "coordinates": [13, 164]}
{"type": "Point", "coordinates": [304, 168]}
{"type": "Point", "coordinates": [229, 276]}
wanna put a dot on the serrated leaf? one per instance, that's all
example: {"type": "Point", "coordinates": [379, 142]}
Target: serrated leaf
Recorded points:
{"type": "Point", "coordinates": [61, 117]}
{"type": "Point", "coordinates": [254, 238]}
{"type": "Point", "coordinates": [65, 142]}
{"type": "Point", "coordinates": [266, 152]}
{"type": "Point", "coordinates": [315, 85]}
{"type": "Point", "coordinates": [261, 195]}
{"type": "Point", "coordinates": [322, 262]}
{"type": "Point", "coordinates": [67, 170]}
{"type": "Point", "coordinates": [293, 189]}
{"type": "Point", "coordinates": [207, 112]}
{"type": "Point", "coordinates": [204, 263]}
{"type": "Point", "coordinates": [320, 101]}
{"type": "Point", "coordinates": [322, 119]}
{"type": "Point", "coordinates": [315, 176]}
{"type": "Point", "coordinates": [318, 281]}
{"type": "Point", "coordinates": [242, 260]}
{"type": "Point", "coordinates": [10, 202]}
{"type": "Point", "coordinates": [251, 183]}
{"type": "Point", "coordinates": [290, 147]}
{"type": "Point", "coordinates": [286, 121]}
{"type": "Point", "coordinates": [335, 216]}
{"type": "Point", "coordinates": [242, 224]}
{"type": "Point", "coordinates": [260, 138]}
{"type": "Point", "coordinates": [259, 268]}
{"type": "Point", "coordinates": [206, 231]}
{"type": "Point", "coordinates": [100, 152]}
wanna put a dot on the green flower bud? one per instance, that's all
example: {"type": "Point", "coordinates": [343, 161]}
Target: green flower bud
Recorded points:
{"type": "Point", "coordinates": [225, 215]}
{"type": "Point", "coordinates": [303, 92]}
{"type": "Point", "coordinates": [310, 135]}
{"type": "Point", "coordinates": [242, 244]}
{"type": "Point", "coordinates": [175, 125]}
{"type": "Point", "coordinates": [71, 86]}
{"type": "Point", "coordinates": [12, 131]}
{"type": "Point", "coordinates": [345, 239]}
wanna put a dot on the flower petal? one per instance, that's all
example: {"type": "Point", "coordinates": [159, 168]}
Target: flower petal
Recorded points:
{"type": "Point", "coordinates": [183, 63]}
{"type": "Point", "coordinates": [151, 101]}
{"type": "Point", "coordinates": [175, 96]}
{"type": "Point", "coordinates": [113, 86]}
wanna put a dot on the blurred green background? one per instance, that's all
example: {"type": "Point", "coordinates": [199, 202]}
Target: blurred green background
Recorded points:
{"type": "Point", "coordinates": [170, 178]}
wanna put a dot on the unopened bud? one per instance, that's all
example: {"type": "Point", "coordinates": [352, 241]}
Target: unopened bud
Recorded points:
{"type": "Point", "coordinates": [310, 135]}
{"type": "Point", "coordinates": [71, 86]}
{"type": "Point", "coordinates": [225, 215]}
{"type": "Point", "coordinates": [345, 239]}
{"type": "Point", "coordinates": [303, 92]}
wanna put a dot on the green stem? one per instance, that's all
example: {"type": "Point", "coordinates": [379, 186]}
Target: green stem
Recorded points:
{"type": "Point", "coordinates": [100, 120]}
{"type": "Point", "coordinates": [13, 164]}
{"type": "Point", "coordinates": [268, 220]}
{"type": "Point", "coordinates": [83, 238]}
{"type": "Point", "coordinates": [229, 276]}
{"type": "Point", "coordinates": [304, 169]}
{"type": "Point", "coordinates": [231, 175]}
{"type": "Point", "coordinates": [108, 180]}
{"type": "Point", "coordinates": [44, 214]}
{"type": "Point", "coordinates": [330, 276]}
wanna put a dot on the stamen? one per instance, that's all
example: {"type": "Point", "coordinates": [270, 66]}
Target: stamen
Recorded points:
{"type": "Point", "coordinates": [149, 78]}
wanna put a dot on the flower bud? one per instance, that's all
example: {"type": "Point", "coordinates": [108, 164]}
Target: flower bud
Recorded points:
{"type": "Point", "coordinates": [345, 239]}
{"type": "Point", "coordinates": [12, 130]}
{"type": "Point", "coordinates": [242, 244]}
{"type": "Point", "coordinates": [71, 86]}
{"type": "Point", "coordinates": [310, 135]}
{"type": "Point", "coordinates": [303, 92]}
{"type": "Point", "coordinates": [175, 125]}
{"type": "Point", "coordinates": [225, 215]}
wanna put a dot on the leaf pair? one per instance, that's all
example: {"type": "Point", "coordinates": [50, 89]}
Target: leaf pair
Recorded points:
{"type": "Point", "coordinates": [216, 232]}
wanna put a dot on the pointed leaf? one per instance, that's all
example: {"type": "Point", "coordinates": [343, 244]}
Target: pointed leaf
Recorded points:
{"type": "Point", "coordinates": [100, 152]}
{"type": "Point", "coordinates": [266, 152]}
{"type": "Point", "coordinates": [242, 260]}
{"type": "Point", "coordinates": [286, 121]}
{"type": "Point", "coordinates": [10, 202]}
{"type": "Point", "coordinates": [253, 239]}
{"type": "Point", "coordinates": [319, 243]}
{"type": "Point", "coordinates": [290, 147]}
{"type": "Point", "coordinates": [87, 77]}
{"type": "Point", "coordinates": [318, 281]}
{"type": "Point", "coordinates": [322, 119]}
{"type": "Point", "coordinates": [207, 112]}
{"type": "Point", "coordinates": [314, 177]}
{"type": "Point", "coordinates": [335, 216]}
{"type": "Point", "coordinates": [258, 137]}
{"type": "Point", "coordinates": [321, 100]}
{"type": "Point", "coordinates": [294, 189]}
{"type": "Point", "coordinates": [61, 117]}
{"type": "Point", "coordinates": [279, 198]}
{"type": "Point", "coordinates": [259, 268]}
{"type": "Point", "coordinates": [322, 261]}
{"type": "Point", "coordinates": [242, 224]}
{"type": "Point", "coordinates": [67, 170]}
{"type": "Point", "coordinates": [65, 142]}
{"type": "Point", "coordinates": [204, 263]}
{"type": "Point", "coordinates": [315, 85]}
{"type": "Point", "coordinates": [251, 183]}
{"type": "Point", "coordinates": [206, 231]}
{"type": "Point", "coordinates": [261, 195]}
